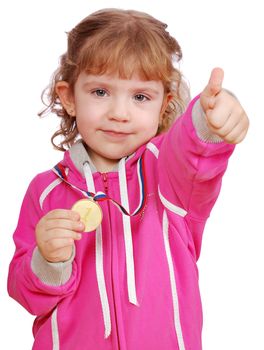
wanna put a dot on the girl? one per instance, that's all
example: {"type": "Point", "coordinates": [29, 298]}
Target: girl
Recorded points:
{"type": "Point", "coordinates": [149, 178]}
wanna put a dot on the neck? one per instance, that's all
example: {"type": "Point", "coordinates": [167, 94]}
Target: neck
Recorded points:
{"type": "Point", "coordinates": [104, 166]}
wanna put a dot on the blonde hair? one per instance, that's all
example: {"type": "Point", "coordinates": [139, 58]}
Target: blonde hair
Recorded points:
{"type": "Point", "coordinates": [123, 42]}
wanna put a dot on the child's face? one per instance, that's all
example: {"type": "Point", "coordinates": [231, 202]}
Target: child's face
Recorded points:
{"type": "Point", "coordinates": [116, 116]}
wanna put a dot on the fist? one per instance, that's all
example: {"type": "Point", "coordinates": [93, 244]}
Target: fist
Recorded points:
{"type": "Point", "coordinates": [224, 114]}
{"type": "Point", "coordinates": [56, 233]}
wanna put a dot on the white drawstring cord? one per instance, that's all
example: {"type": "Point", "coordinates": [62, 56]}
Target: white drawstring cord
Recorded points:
{"type": "Point", "coordinates": [131, 284]}
{"type": "Point", "coordinates": [99, 258]}
{"type": "Point", "coordinates": [175, 301]}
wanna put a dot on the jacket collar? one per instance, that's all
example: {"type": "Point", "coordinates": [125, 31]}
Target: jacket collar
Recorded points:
{"type": "Point", "coordinates": [78, 155]}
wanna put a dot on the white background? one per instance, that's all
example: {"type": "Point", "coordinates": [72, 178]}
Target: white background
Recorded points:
{"type": "Point", "coordinates": [212, 33]}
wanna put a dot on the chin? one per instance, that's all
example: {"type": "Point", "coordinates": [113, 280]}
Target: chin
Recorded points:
{"type": "Point", "coordinates": [115, 156]}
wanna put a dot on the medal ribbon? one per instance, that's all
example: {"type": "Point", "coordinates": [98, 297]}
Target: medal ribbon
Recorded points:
{"type": "Point", "coordinates": [101, 196]}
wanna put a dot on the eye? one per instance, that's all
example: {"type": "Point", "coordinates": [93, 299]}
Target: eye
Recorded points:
{"type": "Point", "coordinates": [99, 92]}
{"type": "Point", "coordinates": [141, 98]}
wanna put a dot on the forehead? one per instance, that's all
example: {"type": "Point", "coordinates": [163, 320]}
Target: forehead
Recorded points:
{"type": "Point", "coordinates": [135, 82]}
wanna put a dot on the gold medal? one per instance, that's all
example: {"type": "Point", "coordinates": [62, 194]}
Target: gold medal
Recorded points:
{"type": "Point", "coordinates": [90, 213]}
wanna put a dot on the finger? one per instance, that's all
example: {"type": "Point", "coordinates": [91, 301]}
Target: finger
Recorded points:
{"type": "Point", "coordinates": [62, 214]}
{"type": "Point", "coordinates": [61, 233]}
{"type": "Point", "coordinates": [231, 122]}
{"type": "Point", "coordinates": [64, 224]}
{"type": "Point", "coordinates": [237, 134]}
{"type": "Point", "coordinates": [241, 137]}
{"type": "Point", "coordinates": [214, 85]}
{"type": "Point", "coordinates": [218, 117]}
{"type": "Point", "coordinates": [58, 243]}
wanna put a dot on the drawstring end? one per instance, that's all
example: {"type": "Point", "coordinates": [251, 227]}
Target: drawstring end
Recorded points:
{"type": "Point", "coordinates": [131, 282]}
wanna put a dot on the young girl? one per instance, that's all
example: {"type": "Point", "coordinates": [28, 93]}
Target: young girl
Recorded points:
{"type": "Point", "coordinates": [141, 181]}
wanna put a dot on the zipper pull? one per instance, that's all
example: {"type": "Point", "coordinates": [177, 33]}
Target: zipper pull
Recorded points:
{"type": "Point", "coordinates": [104, 176]}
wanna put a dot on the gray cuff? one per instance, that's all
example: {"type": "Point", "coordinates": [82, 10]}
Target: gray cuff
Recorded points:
{"type": "Point", "coordinates": [201, 127]}
{"type": "Point", "coordinates": [53, 274]}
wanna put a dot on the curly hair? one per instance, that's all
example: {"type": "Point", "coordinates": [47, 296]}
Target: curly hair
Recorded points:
{"type": "Point", "coordinates": [122, 42]}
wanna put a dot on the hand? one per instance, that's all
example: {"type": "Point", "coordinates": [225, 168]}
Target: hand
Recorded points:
{"type": "Point", "coordinates": [56, 233]}
{"type": "Point", "coordinates": [224, 114]}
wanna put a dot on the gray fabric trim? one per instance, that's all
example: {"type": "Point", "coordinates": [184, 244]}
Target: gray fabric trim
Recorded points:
{"type": "Point", "coordinates": [79, 155]}
{"type": "Point", "coordinates": [201, 127]}
{"type": "Point", "coordinates": [52, 274]}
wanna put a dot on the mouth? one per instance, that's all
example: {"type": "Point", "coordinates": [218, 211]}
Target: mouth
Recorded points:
{"type": "Point", "coordinates": [115, 133]}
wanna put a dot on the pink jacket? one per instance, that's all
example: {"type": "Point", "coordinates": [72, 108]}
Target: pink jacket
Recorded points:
{"type": "Point", "coordinates": [133, 283]}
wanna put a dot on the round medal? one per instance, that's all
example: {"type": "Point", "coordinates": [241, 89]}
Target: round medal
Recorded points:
{"type": "Point", "coordinates": [90, 213]}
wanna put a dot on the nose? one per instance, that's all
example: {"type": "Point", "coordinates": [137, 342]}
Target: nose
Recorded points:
{"type": "Point", "coordinates": [119, 110]}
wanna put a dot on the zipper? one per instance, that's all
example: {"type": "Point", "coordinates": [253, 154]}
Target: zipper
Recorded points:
{"type": "Point", "coordinates": [106, 187]}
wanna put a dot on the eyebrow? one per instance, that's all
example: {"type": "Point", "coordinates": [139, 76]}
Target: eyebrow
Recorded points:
{"type": "Point", "coordinates": [148, 89]}
{"type": "Point", "coordinates": [109, 85]}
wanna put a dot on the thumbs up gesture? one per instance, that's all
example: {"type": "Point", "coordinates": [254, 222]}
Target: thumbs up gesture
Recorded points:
{"type": "Point", "coordinates": [224, 114]}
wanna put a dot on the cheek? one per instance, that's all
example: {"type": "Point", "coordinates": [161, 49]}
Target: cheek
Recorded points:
{"type": "Point", "coordinates": [150, 127]}
{"type": "Point", "coordinates": [153, 120]}
{"type": "Point", "coordinates": [87, 116]}
{"type": "Point", "coordinates": [84, 124]}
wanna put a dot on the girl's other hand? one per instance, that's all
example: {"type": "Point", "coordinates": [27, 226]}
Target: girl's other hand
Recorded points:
{"type": "Point", "coordinates": [56, 233]}
{"type": "Point", "coordinates": [225, 116]}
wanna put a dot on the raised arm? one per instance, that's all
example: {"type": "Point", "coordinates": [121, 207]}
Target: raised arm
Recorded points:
{"type": "Point", "coordinates": [194, 154]}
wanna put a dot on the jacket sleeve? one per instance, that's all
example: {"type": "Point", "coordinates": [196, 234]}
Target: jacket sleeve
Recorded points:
{"type": "Point", "coordinates": [32, 281]}
{"type": "Point", "coordinates": [191, 169]}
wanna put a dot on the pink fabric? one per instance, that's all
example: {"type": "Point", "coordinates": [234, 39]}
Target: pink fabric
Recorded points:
{"type": "Point", "coordinates": [188, 172]}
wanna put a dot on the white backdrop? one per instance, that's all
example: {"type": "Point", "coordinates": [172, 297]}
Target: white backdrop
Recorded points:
{"type": "Point", "coordinates": [212, 33]}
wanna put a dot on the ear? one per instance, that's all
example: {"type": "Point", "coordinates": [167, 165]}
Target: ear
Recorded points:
{"type": "Point", "coordinates": [166, 101]}
{"type": "Point", "coordinates": [66, 97]}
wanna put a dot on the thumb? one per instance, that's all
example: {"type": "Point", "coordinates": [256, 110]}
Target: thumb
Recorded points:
{"type": "Point", "coordinates": [214, 85]}
{"type": "Point", "coordinates": [213, 88]}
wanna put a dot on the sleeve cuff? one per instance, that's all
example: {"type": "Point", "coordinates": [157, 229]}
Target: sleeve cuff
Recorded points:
{"type": "Point", "coordinates": [53, 274]}
{"type": "Point", "coordinates": [201, 127]}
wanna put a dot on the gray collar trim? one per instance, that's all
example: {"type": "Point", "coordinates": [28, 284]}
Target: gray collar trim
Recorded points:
{"type": "Point", "coordinates": [79, 156]}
